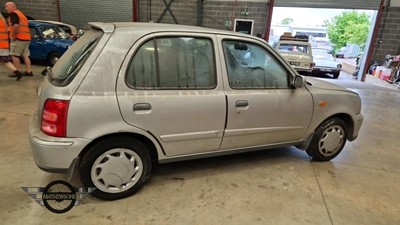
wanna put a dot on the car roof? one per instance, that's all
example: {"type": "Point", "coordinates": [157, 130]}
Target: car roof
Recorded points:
{"type": "Point", "coordinates": [58, 23]}
{"type": "Point", "coordinates": [38, 24]}
{"type": "Point", "coordinates": [295, 42]}
{"type": "Point", "coordinates": [163, 27]}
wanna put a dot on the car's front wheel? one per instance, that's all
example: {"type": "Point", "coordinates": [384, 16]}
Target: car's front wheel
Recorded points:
{"type": "Point", "coordinates": [329, 140]}
{"type": "Point", "coordinates": [116, 167]}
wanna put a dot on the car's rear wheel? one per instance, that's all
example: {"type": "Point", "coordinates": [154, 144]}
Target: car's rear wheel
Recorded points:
{"type": "Point", "coordinates": [329, 140]}
{"type": "Point", "coordinates": [53, 58]}
{"type": "Point", "coordinates": [116, 167]}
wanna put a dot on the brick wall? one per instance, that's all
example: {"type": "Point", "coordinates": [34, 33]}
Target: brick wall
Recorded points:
{"type": "Point", "coordinates": [215, 13]}
{"type": "Point", "coordinates": [183, 10]}
{"type": "Point", "coordinates": [388, 37]}
{"type": "Point", "coordinates": [38, 9]}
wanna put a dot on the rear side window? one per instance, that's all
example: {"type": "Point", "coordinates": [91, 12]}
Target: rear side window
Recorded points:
{"type": "Point", "coordinates": [73, 59]}
{"type": "Point", "coordinates": [173, 63]}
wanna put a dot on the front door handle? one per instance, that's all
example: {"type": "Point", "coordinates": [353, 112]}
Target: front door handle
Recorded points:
{"type": "Point", "coordinates": [242, 103]}
{"type": "Point", "coordinates": [141, 107]}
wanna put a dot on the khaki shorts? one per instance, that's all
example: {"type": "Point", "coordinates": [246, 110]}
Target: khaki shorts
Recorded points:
{"type": "Point", "coordinates": [19, 48]}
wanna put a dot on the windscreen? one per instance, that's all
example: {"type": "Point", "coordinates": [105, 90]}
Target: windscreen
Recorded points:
{"type": "Point", "coordinates": [293, 48]}
{"type": "Point", "coordinates": [70, 63]}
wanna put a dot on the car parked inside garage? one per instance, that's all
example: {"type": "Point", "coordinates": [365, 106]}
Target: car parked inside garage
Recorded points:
{"type": "Point", "coordinates": [325, 63]}
{"type": "Point", "coordinates": [297, 51]}
{"type": "Point", "coordinates": [48, 42]}
{"type": "Point", "coordinates": [129, 94]}
{"type": "Point", "coordinates": [71, 30]}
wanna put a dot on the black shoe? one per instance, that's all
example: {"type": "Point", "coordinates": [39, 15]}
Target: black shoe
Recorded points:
{"type": "Point", "coordinates": [16, 74]}
{"type": "Point", "coordinates": [30, 74]}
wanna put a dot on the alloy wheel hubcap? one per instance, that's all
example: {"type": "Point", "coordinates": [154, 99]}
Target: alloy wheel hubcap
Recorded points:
{"type": "Point", "coordinates": [331, 140]}
{"type": "Point", "coordinates": [117, 170]}
{"type": "Point", "coordinates": [55, 59]}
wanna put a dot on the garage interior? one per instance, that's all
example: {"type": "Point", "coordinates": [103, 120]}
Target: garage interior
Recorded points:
{"type": "Point", "coordinates": [278, 186]}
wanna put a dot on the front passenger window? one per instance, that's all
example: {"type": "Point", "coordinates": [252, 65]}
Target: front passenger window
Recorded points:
{"type": "Point", "coordinates": [250, 66]}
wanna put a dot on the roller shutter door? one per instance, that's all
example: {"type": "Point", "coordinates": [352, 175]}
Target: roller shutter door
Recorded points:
{"type": "Point", "coordinates": [338, 4]}
{"type": "Point", "coordinates": [79, 13]}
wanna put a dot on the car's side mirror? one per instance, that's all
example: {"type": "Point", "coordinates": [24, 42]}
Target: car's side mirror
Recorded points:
{"type": "Point", "coordinates": [299, 81]}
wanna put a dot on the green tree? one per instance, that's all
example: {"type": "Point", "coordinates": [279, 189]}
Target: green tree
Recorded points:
{"type": "Point", "coordinates": [348, 27]}
{"type": "Point", "coordinates": [287, 21]}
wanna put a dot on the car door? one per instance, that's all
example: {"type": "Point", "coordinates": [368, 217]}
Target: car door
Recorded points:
{"type": "Point", "coordinates": [171, 89]}
{"type": "Point", "coordinates": [263, 108]}
{"type": "Point", "coordinates": [37, 47]}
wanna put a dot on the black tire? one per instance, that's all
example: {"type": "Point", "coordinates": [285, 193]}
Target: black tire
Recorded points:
{"type": "Point", "coordinates": [53, 58]}
{"type": "Point", "coordinates": [95, 155]}
{"type": "Point", "coordinates": [320, 150]}
{"type": "Point", "coordinates": [336, 75]}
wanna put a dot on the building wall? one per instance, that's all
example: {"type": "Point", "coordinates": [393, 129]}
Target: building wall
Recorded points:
{"type": "Point", "coordinates": [38, 9]}
{"type": "Point", "coordinates": [388, 37]}
{"type": "Point", "coordinates": [183, 10]}
{"type": "Point", "coordinates": [216, 14]}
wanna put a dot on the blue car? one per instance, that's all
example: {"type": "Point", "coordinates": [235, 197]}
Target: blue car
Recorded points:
{"type": "Point", "coordinates": [48, 42]}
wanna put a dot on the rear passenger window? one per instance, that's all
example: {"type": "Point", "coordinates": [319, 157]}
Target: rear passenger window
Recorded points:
{"type": "Point", "coordinates": [173, 63]}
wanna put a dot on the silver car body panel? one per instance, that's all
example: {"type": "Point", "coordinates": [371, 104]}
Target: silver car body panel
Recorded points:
{"type": "Point", "coordinates": [51, 153]}
{"type": "Point", "coordinates": [338, 100]}
{"type": "Point", "coordinates": [181, 124]}
{"type": "Point", "coordinates": [271, 116]}
{"type": "Point", "coordinates": [184, 121]}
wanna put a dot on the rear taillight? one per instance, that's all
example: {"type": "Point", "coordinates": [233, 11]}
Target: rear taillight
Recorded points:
{"type": "Point", "coordinates": [54, 117]}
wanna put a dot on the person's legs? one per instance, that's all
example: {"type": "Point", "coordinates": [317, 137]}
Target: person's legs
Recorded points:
{"type": "Point", "coordinates": [27, 62]}
{"type": "Point", "coordinates": [16, 50]}
{"type": "Point", "coordinates": [26, 58]}
{"type": "Point", "coordinates": [16, 62]}
{"type": "Point", "coordinates": [10, 66]}
{"type": "Point", "coordinates": [6, 62]}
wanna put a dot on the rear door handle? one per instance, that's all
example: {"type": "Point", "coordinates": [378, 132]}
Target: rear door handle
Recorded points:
{"type": "Point", "coordinates": [141, 107]}
{"type": "Point", "coordinates": [242, 103]}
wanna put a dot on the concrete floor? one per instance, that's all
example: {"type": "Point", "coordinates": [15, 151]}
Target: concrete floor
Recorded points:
{"type": "Point", "coordinates": [279, 186]}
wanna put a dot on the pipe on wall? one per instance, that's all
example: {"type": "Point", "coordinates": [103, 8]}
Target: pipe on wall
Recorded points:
{"type": "Point", "coordinates": [135, 11]}
{"type": "Point", "coordinates": [200, 12]}
{"type": "Point", "coordinates": [59, 10]}
{"type": "Point", "coordinates": [269, 19]}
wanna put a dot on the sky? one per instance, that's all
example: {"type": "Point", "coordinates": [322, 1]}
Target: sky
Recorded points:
{"type": "Point", "coordinates": [306, 16]}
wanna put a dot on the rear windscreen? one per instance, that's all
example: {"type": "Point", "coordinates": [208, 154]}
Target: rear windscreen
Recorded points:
{"type": "Point", "coordinates": [293, 48]}
{"type": "Point", "coordinates": [73, 59]}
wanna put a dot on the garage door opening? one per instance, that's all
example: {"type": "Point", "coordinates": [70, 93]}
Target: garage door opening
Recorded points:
{"type": "Point", "coordinates": [376, 5]}
{"type": "Point", "coordinates": [344, 33]}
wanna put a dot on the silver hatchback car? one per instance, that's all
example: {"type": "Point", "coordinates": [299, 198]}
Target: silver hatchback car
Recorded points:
{"type": "Point", "coordinates": [126, 95]}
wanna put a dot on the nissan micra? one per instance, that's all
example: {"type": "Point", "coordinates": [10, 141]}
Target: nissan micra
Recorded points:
{"type": "Point", "coordinates": [128, 95]}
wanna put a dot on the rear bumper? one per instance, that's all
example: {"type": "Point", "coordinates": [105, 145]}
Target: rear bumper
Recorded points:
{"type": "Point", "coordinates": [52, 154]}
{"type": "Point", "coordinates": [357, 122]}
{"type": "Point", "coordinates": [319, 70]}
{"type": "Point", "coordinates": [303, 69]}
